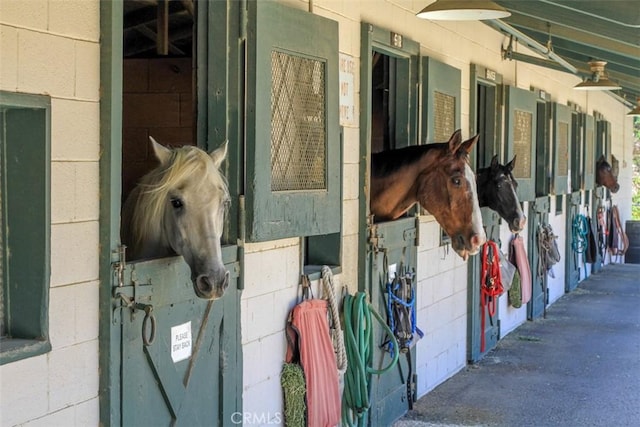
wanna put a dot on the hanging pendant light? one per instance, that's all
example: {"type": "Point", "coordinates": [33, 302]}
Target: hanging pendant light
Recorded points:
{"type": "Point", "coordinates": [462, 10]}
{"type": "Point", "coordinates": [636, 110]}
{"type": "Point", "coordinates": [598, 80]}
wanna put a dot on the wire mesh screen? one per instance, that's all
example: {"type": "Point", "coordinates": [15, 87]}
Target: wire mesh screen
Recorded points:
{"type": "Point", "coordinates": [298, 120]}
{"type": "Point", "coordinates": [522, 136]}
{"type": "Point", "coordinates": [445, 120]}
{"type": "Point", "coordinates": [589, 160]}
{"type": "Point", "coordinates": [563, 149]}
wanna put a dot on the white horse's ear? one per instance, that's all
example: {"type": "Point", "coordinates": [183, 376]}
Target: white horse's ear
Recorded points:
{"type": "Point", "coordinates": [219, 154]}
{"type": "Point", "coordinates": [163, 154]}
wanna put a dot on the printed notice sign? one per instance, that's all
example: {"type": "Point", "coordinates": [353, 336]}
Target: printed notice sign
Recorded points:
{"type": "Point", "coordinates": [347, 90]}
{"type": "Point", "coordinates": [181, 342]}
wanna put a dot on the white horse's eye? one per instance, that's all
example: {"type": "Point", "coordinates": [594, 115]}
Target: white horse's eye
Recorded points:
{"type": "Point", "coordinates": [176, 203]}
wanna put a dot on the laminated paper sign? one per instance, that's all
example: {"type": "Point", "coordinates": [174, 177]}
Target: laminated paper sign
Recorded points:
{"type": "Point", "coordinates": [181, 342]}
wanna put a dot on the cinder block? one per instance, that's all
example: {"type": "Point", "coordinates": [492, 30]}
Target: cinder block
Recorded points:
{"type": "Point", "coordinates": [73, 138]}
{"type": "Point", "coordinates": [64, 417]}
{"type": "Point", "coordinates": [46, 64]}
{"type": "Point", "coordinates": [24, 14]}
{"type": "Point", "coordinates": [74, 252]}
{"type": "Point", "coordinates": [74, 374]}
{"type": "Point", "coordinates": [263, 359]}
{"type": "Point", "coordinates": [88, 413]}
{"type": "Point", "coordinates": [351, 181]}
{"type": "Point", "coordinates": [87, 191]}
{"type": "Point", "coordinates": [62, 316]}
{"type": "Point", "coordinates": [24, 390]}
{"type": "Point", "coordinates": [271, 270]}
{"type": "Point", "coordinates": [261, 318]}
{"type": "Point", "coordinates": [9, 63]}
{"type": "Point", "coordinates": [75, 18]}
{"type": "Point", "coordinates": [87, 70]}
{"type": "Point", "coordinates": [63, 175]}
{"type": "Point", "coordinates": [262, 404]}
{"type": "Point", "coordinates": [75, 191]}
{"type": "Point", "coordinates": [350, 216]}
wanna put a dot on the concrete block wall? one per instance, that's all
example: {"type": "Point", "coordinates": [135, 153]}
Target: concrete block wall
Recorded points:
{"type": "Point", "coordinates": [52, 47]}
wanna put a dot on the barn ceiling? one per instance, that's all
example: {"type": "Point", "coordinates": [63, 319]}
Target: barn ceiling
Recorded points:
{"type": "Point", "coordinates": [577, 31]}
{"type": "Point", "coordinates": [569, 33]}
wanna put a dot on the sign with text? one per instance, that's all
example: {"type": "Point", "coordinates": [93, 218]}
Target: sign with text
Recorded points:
{"type": "Point", "coordinates": [181, 342]}
{"type": "Point", "coordinates": [347, 90]}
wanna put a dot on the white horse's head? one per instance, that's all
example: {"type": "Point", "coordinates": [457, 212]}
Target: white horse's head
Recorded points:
{"type": "Point", "coordinates": [180, 209]}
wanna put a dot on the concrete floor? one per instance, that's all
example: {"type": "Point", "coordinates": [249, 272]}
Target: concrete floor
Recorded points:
{"type": "Point", "coordinates": [578, 367]}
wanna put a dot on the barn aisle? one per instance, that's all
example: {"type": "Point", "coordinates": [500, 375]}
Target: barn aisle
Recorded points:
{"type": "Point", "coordinates": [579, 366]}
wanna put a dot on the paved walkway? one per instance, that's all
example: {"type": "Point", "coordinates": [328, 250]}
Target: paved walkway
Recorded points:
{"type": "Point", "coordinates": [578, 367]}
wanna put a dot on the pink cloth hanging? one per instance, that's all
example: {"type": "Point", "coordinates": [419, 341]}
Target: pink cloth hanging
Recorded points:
{"type": "Point", "coordinates": [310, 345]}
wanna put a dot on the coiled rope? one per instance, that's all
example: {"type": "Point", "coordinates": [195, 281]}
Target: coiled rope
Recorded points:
{"type": "Point", "coordinates": [358, 332]}
{"type": "Point", "coordinates": [336, 330]}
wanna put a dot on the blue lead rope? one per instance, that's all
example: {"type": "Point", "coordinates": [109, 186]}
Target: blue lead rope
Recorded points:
{"type": "Point", "coordinates": [405, 340]}
{"type": "Point", "coordinates": [579, 242]}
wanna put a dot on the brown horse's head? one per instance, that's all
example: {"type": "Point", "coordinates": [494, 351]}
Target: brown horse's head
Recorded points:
{"type": "Point", "coordinates": [605, 174]}
{"type": "Point", "coordinates": [447, 189]}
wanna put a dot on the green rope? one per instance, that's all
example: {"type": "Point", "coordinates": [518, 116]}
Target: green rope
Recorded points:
{"type": "Point", "coordinates": [293, 386]}
{"type": "Point", "coordinates": [358, 334]}
{"type": "Point", "coordinates": [579, 242]}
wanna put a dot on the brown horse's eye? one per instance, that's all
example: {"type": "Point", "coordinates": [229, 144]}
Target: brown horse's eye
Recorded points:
{"type": "Point", "coordinates": [456, 181]}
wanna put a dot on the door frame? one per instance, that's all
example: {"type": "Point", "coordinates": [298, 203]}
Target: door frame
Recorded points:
{"type": "Point", "coordinates": [210, 130]}
{"type": "Point", "coordinates": [486, 77]}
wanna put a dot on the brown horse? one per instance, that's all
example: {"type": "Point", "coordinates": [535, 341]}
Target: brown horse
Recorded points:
{"type": "Point", "coordinates": [606, 175]}
{"type": "Point", "coordinates": [439, 178]}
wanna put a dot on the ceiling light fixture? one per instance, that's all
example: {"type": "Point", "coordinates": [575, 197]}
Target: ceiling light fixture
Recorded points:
{"type": "Point", "coordinates": [462, 10]}
{"type": "Point", "coordinates": [636, 110]}
{"type": "Point", "coordinates": [598, 80]}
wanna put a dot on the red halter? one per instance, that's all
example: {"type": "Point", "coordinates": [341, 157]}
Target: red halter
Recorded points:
{"type": "Point", "coordinates": [490, 284]}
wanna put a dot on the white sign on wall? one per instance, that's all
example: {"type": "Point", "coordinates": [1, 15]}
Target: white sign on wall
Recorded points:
{"type": "Point", "coordinates": [181, 342]}
{"type": "Point", "coordinates": [347, 90]}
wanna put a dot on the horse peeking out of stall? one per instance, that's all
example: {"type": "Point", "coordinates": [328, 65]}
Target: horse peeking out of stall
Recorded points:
{"type": "Point", "coordinates": [439, 178]}
{"type": "Point", "coordinates": [497, 191]}
{"type": "Point", "coordinates": [606, 174]}
{"type": "Point", "coordinates": [178, 209]}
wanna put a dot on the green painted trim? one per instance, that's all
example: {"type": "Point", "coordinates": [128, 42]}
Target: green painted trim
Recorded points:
{"type": "Point", "coordinates": [111, 17]}
{"type": "Point", "coordinates": [589, 164]}
{"type": "Point", "coordinates": [560, 114]}
{"type": "Point", "coordinates": [25, 119]}
{"type": "Point", "coordinates": [366, 56]}
{"type": "Point", "coordinates": [522, 100]}
{"type": "Point", "coordinates": [271, 214]}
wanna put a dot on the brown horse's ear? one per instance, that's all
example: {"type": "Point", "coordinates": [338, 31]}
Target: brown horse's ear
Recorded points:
{"type": "Point", "coordinates": [454, 141]}
{"type": "Point", "coordinates": [512, 164]}
{"type": "Point", "coordinates": [465, 147]}
{"type": "Point", "coordinates": [615, 166]}
{"type": "Point", "coordinates": [163, 154]}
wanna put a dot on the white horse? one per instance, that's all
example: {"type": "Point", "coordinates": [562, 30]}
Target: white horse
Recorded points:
{"type": "Point", "coordinates": [179, 208]}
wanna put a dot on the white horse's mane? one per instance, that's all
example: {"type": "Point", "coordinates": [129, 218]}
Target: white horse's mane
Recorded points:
{"type": "Point", "coordinates": [185, 163]}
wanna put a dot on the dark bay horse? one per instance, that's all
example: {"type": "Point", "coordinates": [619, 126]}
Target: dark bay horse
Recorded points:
{"type": "Point", "coordinates": [607, 175]}
{"type": "Point", "coordinates": [179, 208]}
{"type": "Point", "coordinates": [497, 191]}
{"type": "Point", "coordinates": [439, 178]}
